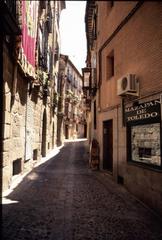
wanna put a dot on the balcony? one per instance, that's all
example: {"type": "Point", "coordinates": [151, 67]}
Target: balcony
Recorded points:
{"type": "Point", "coordinates": [69, 95]}
{"type": "Point", "coordinates": [8, 18]}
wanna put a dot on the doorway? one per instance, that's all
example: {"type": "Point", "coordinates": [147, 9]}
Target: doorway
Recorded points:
{"type": "Point", "coordinates": [108, 145]}
{"type": "Point", "coordinates": [66, 132]}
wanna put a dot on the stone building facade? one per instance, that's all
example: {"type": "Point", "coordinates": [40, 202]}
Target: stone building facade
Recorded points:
{"type": "Point", "coordinates": [126, 108]}
{"type": "Point", "coordinates": [30, 46]}
{"type": "Point", "coordinates": [71, 113]}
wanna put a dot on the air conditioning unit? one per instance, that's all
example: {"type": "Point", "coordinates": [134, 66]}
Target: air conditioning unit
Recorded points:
{"type": "Point", "coordinates": [128, 85]}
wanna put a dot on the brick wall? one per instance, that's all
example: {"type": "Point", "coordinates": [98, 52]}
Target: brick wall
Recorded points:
{"type": "Point", "coordinates": [137, 50]}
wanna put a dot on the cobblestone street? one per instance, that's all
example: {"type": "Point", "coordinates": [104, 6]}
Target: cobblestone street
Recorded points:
{"type": "Point", "coordinates": [62, 199]}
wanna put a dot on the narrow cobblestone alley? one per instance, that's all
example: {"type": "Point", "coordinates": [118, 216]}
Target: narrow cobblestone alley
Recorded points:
{"type": "Point", "coordinates": [63, 199]}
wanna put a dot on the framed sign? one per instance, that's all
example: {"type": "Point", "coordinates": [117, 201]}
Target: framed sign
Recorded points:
{"type": "Point", "coordinates": [143, 113]}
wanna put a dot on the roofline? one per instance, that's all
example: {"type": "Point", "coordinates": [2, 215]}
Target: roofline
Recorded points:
{"type": "Point", "coordinates": [67, 59]}
{"type": "Point", "coordinates": [88, 15]}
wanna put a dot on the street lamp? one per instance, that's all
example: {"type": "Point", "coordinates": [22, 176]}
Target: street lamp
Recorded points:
{"type": "Point", "coordinates": [86, 78]}
{"type": "Point", "coordinates": [89, 88]}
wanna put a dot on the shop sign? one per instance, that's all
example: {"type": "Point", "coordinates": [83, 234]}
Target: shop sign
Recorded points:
{"type": "Point", "coordinates": [143, 112]}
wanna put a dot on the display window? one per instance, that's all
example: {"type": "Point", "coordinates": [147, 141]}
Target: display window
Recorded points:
{"type": "Point", "coordinates": [145, 144]}
{"type": "Point", "coordinates": [144, 141]}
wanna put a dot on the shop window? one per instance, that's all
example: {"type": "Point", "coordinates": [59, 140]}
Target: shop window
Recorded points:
{"type": "Point", "coordinates": [110, 65]}
{"type": "Point", "coordinates": [144, 153]}
{"type": "Point", "coordinates": [145, 144]}
{"type": "Point", "coordinates": [143, 121]}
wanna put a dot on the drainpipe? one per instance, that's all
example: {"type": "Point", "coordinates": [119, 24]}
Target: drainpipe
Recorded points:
{"type": "Point", "coordinates": [2, 105]}
{"type": "Point", "coordinates": [117, 141]}
{"type": "Point", "coordinates": [26, 112]}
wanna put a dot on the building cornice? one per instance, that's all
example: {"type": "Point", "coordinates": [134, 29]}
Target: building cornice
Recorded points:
{"type": "Point", "coordinates": [67, 59]}
{"type": "Point", "coordinates": [89, 23]}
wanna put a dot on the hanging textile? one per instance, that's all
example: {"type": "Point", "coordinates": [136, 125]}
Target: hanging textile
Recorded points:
{"type": "Point", "coordinates": [29, 35]}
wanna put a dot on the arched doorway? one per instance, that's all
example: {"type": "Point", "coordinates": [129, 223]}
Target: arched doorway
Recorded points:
{"type": "Point", "coordinates": [44, 133]}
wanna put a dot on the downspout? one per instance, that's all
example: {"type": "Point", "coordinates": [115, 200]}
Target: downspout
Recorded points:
{"type": "Point", "coordinates": [106, 43]}
{"type": "Point", "coordinates": [26, 112]}
{"type": "Point", "coordinates": [2, 105]}
{"type": "Point", "coordinates": [117, 109]}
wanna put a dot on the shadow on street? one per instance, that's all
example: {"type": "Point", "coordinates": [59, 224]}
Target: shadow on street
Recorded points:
{"type": "Point", "coordinates": [62, 199]}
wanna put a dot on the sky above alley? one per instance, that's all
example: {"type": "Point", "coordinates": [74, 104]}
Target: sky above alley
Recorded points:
{"type": "Point", "coordinates": [72, 30]}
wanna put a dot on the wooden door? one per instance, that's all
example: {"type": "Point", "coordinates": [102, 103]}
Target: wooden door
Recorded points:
{"type": "Point", "coordinates": [108, 145]}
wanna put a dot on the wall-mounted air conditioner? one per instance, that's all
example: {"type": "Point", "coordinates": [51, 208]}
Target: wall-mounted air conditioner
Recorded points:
{"type": "Point", "coordinates": [128, 85]}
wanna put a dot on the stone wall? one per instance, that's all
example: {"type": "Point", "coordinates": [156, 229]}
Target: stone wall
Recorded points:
{"type": "Point", "coordinates": [7, 74]}
{"type": "Point", "coordinates": [15, 124]}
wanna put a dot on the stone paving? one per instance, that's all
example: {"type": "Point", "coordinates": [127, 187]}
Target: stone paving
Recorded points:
{"type": "Point", "coordinates": [62, 199]}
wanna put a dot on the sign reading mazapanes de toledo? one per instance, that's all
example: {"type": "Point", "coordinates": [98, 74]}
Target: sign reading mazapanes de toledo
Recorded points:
{"type": "Point", "coordinates": [147, 112]}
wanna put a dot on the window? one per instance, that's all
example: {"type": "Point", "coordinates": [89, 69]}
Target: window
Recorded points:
{"type": "Point", "coordinates": [145, 144]}
{"type": "Point", "coordinates": [35, 154]}
{"type": "Point", "coordinates": [143, 122]}
{"type": "Point", "coordinates": [16, 166]}
{"type": "Point", "coordinates": [110, 4]}
{"type": "Point", "coordinates": [110, 65]}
